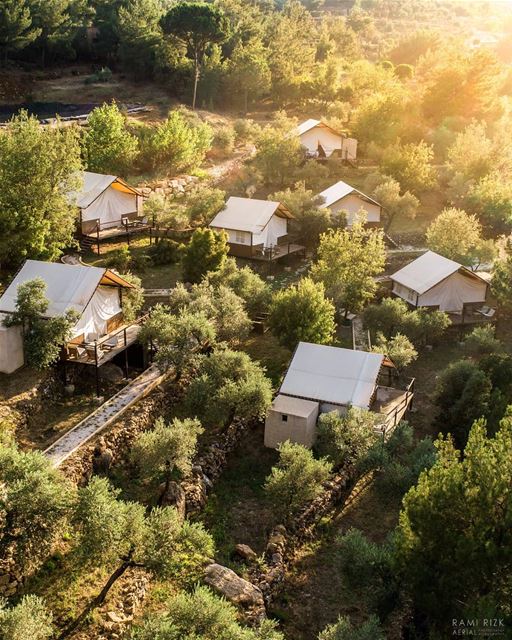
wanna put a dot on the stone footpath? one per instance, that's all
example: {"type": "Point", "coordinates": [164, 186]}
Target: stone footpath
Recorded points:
{"type": "Point", "coordinates": [103, 415]}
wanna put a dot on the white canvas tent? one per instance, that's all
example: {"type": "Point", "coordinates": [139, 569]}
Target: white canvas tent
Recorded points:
{"type": "Point", "coordinates": [93, 293]}
{"type": "Point", "coordinates": [105, 201]}
{"type": "Point", "coordinates": [320, 379]}
{"type": "Point", "coordinates": [343, 197]}
{"type": "Point", "coordinates": [252, 223]}
{"type": "Point", "coordinates": [435, 281]}
{"type": "Point", "coordinates": [321, 140]}
{"type": "Point", "coordinates": [332, 376]}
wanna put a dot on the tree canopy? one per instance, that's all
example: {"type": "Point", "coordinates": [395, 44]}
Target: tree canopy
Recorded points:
{"type": "Point", "coordinates": [38, 169]}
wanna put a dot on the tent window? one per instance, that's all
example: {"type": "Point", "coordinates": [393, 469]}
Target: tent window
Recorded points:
{"type": "Point", "coordinates": [241, 237]}
{"type": "Point", "coordinates": [284, 417]}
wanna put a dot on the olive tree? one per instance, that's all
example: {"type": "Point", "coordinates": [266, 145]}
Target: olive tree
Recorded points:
{"type": "Point", "coordinates": [203, 615]}
{"type": "Point", "coordinates": [28, 619]}
{"type": "Point", "coordinates": [177, 338]}
{"type": "Point", "coordinates": [36, 502]}
{"type": "Point", "coordinates": [111, 531]}
{"type": "Point", "coordinates": [167, 447]}
{"type": "Point", "coordinates": [43, 337]}
{"type": "Point", "coordinates": [226, 385]}
{"type": "Point", "coordinates": [296, 479]}
{"type": "Point", "coordinates": [344, 439]}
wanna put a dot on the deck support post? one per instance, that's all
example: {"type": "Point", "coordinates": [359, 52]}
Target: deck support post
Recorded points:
{"type": "Point", "coordinates": [97, 369]}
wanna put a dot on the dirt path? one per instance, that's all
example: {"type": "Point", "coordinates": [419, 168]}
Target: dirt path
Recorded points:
{"type": "Point", "coordinates": [219, 171]}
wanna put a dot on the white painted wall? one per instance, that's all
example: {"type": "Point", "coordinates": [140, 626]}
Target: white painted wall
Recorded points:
{"type": "Point", "coordinates": [352, 204]}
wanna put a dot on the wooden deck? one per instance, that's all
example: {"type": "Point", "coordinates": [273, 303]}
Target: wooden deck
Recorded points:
{"type": "Point", "coordinates": [117, 231]}
{"type": "Point", "coordinates": [126, 335]}
{"type": "Point", "coordinates": [279, 251]}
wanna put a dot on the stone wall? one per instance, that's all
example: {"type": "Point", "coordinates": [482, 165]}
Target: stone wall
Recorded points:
{"type": "Point", "coordinates": [169, 187]}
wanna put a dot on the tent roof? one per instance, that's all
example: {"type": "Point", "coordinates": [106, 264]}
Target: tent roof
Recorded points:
{"type": "Point", "coordinates": [67, 286]}
{"type": "Point", "coordinates": [94, 184]}
{"type": "Point", "coordinates": [332, 374]}
{"type": "Point", "coordinates": [338, 191]}
{"type": "Point", "coordinates": [295, 406]}
{"type": "Point", "coordinates": [425, 272]}
{"type": "Point", "coordinates": [248, 214]}
{"type": "Point", "coordinates": [307, 125]}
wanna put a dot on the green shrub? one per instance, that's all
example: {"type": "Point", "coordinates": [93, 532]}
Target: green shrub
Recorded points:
{"type": "Point", "coordinates": [224, 140]}
{"type": "Point", "coordinates": [120, 260]}
{"type": "Point", "coordinates": [164, 252]}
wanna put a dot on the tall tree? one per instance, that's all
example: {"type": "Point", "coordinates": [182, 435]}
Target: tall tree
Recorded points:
{"type": "Point", "coordinates": [248, 73]}
{"type": "Point", "coordinates": [454, 541]}
{"type": "Point", "coordinates": [109, 147]}
{"type": "Point", "coordinates": [140, 36]}
{"type": "Point", "coordinates": [16, 28]}
{"type": "Point", "coordinates": [35, 505]}
{"type": "Point", "coordinates": [206, 251]}
{"type": "Point", "coordinates": [302, 313]}
{"type": "Point", "coordinates": [348, 261]}
{"type": "Point", "coordinates": [197, 25]}
{"type": "Point", "coordinates": [457, 235]}
{"type": "Point", "coordinates": [38, 169]}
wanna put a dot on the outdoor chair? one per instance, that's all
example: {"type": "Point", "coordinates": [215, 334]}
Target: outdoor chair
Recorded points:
{"type": "Point", "coordinates": [486, 311]}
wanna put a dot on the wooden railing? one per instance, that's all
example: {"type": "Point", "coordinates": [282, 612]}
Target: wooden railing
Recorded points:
{"type": "Point", "coordinates": [391, 419]}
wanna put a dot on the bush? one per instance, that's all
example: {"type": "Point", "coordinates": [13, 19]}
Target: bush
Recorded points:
{"type": "Point", "coordinates": [103, 75]}
{"type": "Point", "coordinates": [164, 252]}
{"type": "Point", "coordinates": [368, 569]}
{"type": "Point", "coordinates": [224, 140]}
{"type": "Point", "coordinates": [246, 130]}
{"type": "Point", "coordinates": [345, 439]}
{"type": "Point", "coordinates": [343, 629]}
{"type": "Point", "coordinates": [399, 349]}
{"type": "Point", "coordinates": [120, 260]}
{"type": "Point", "coordinates": [206, 251]}
{"type": "Point", "coordinates": [482, 340]}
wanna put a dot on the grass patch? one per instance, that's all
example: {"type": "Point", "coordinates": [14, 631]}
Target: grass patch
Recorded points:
{"type": "Point", "coordinates": [153, 276]}
{"type": "Point", "coordinates": [237, 510]}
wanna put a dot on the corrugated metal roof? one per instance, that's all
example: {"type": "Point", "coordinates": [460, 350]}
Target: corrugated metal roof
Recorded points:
{"type": "Point", "coordinates": [425, 272]}
{"type": "Point", "coordinates": [338, 191]}
{"type": "Point", "coordinates": [67, 286]}
{"type": "Point", "coordinates": [245, 214]}
{"type": "Point", "coordinates": [332, 375]}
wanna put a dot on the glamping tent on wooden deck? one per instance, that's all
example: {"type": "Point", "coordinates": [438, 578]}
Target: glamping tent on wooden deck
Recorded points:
{"type": "Point", "coordinates": [343, 197]}
{"type": "Point", "coordinates": [439, 283]}
{"type": "Point", "coordinates": [320, 379]}
{"type": "Point", "coordinates": [95, 294]}
{"type": "Point", "coordinates": [106, 202]}
{"type": "Point", "coordinates": [256, 229]}
{"type": "Point", "coordinates": [322, 141]}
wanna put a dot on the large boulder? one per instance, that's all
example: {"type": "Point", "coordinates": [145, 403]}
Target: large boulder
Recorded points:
{"type": "Point", "coordinates": [234, 588]}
